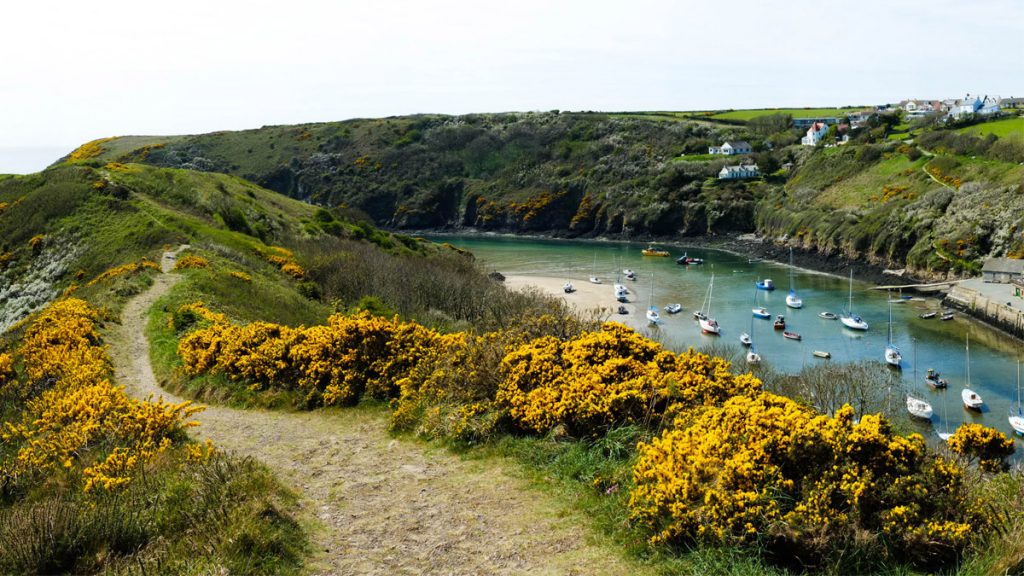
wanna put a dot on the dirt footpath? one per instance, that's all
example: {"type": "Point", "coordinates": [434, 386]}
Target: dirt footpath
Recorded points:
{"type": "Point", "coordinates": [379, 505]}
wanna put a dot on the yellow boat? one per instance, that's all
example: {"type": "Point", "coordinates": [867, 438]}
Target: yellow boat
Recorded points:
{"type": "Point", "coordinates": [652, 251]}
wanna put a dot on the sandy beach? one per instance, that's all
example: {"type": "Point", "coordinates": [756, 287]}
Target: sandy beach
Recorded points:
{"type": "Point", "coordinates": [588, 297]}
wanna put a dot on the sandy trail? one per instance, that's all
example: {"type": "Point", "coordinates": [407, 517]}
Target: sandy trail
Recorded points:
{"type": "Point", "coordinates": [380, 505]}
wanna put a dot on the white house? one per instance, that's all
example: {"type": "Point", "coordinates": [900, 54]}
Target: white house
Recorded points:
{"type": "Point", "coordinates": [738, 172]}
{"type": "Point", "coordinates": [990, 105]}
{"type": "Point", "coordinates": [731, 148]}
{"type": "Point", "coordinates": [964, 106]}
{"type": "Point", "coordinates": [815, 133]}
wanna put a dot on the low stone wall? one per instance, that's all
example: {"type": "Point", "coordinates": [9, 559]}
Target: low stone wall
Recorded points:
{"type": "Point", "coordinates": [986, 309]}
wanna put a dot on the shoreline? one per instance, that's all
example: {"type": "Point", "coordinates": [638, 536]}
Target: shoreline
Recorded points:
{"type": "Point", "coordinates": [587, 299]}
{"type": "Point", "coordinates": [746, 245]}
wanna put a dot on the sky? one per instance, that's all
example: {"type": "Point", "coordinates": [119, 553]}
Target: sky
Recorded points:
{"type": "Point", "coordinates": [75, 71]}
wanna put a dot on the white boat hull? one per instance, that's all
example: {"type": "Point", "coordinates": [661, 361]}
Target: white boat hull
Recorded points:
{"type": "Point", "coordinates": [854, 323]}
{"type": "Point", "coordinates": [1017, 423]}
{"type": "Point", "coordinates": [971, 399]}
{"type": "Point", "coordinates": [919, 408]}
{"type": "Point", "coordinates": [653, 317]}
{"type": "Point", "coordinates": [893, 356]}
{"type": "Point", "coordinates": [794, 301]}
{"type": "Point", "coordinates": [709, 326]}
{"type": "Point", "coordinates": [753, 358]}
{"type": "Point", "coordinates": [745, 339]}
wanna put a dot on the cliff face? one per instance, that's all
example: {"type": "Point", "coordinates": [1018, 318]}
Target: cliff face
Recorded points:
{"type": "Point", "coordinates": [937, 209]}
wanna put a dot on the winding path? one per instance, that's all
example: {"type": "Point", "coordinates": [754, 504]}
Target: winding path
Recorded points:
{"type": "Point", "coordinates": [377, 505]}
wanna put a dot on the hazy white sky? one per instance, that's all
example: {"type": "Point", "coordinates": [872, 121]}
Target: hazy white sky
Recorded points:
{"type": "Point", "coordinates": [73, 71]}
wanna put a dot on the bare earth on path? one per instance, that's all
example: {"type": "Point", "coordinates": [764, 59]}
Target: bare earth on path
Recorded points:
{"type": "Point", "coordinates": [384, 506]}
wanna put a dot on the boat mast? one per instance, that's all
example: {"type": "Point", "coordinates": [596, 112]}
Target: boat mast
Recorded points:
{"type": "Point", "coordinates": [791, 269]}
{"type": "Point", "coordinates": [711, 288]}
{"type": "Point", "coordinates": [849, 306]}
{"type": "Point", "coordinates": [967, 347]}
{"type": "Point", "coordinates": [890, 322]}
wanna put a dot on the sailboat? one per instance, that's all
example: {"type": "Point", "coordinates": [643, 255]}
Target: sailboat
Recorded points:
{"type": "Point", "coordinates": [1016, 417]}
{"type": "Point", "coordinates": [593, 272]}
{"type": "Point", "coordinates": [917, 406]}
{"type": "Point", "coordinates": [849, 319]}
{"type": "Point", "coordinates": [972, 401]}
{"type": "Point", "coordinates": [709, 325]}
{"type": "Point", "coordinates": [752, 356]}
{"type": "Point", "coordinates": [652, 312]}
{"type": "Point", "coordinates": [792, 300]}
{"type": "Point", "coordinates": [892, 353]}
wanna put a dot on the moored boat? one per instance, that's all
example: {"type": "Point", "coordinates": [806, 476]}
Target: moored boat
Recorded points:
{"type": "Point", "coordinates": [594, 280]}
{"type": "Point", "coordinates": [927, 315]}
{"type": "Point", "coordinates": [674, 308]}
{"type": "Point", "coordinates": [791, 335]}
{"type": "Point", "coordinates": [849, 319]}
{"type": "Point", "coordinates": [780, 322]}
{"type": "Point", "coordinates": [629, 274]}
{"type": "Point", "coordinates": [919, 408]}
{"type": "Point", "coordinates": [745, 339]}
{"type": "Point", "coordinates": [761, 312]}
{"type": "Point", "coordinates": [686, 260]}
{"type": "Point", "coordinates": [972, 401]}
{"type": "Point", "coordinates": [827, 315]}
{"type": "Point", "coordinates": [568, 288]}
{"type": "Point", "coordinates": [652, 315]}
{"type": "Point", "coordinates": [933, 379]}
{"type": "Point", "coordinates": [753, 357]}
{"type": "Point", "coordinates": [652, 251]}
{"type": "Point", "coordinates": [822, 354]}
{"type": "Point", "coordinates": [1016, 415]}
{"type": "Point", "coordinates": [765, 284]}
{"type": "Point", "coordinates": [946, 316]}
{"type": "Point", "coordinates": [792, 300]}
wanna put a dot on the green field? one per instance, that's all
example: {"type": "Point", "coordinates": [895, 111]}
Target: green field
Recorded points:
{"type": "Point", "coordinates": [794, 112]}
{"type": "Point", "coordinates": [1001, 128]}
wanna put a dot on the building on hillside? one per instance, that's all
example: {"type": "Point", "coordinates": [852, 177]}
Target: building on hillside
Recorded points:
{"type": "Point", "coordinates": [990, 105]}
{"type": "Point", "coordinates": [1002, 270]}
{"type": "Point", "coordinates": [815, 133]}
{"type": "Point", "coordinates": [860, 118]}
{"type": "Point", "coordinates": [731, 148]}
{"type": "Point", "coordinates": [739, 172]}
{"type": "Point", "coordinates": [1012, 103]}
{"type": "Point", "coordinates": [913, 109]}
{"type": "Point", "coordinates": [806, 122]}
{"type": "Point", "coordinates": [964, 106]}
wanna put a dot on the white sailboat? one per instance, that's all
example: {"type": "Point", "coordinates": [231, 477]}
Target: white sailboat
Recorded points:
{"type": "Point", "coordinates": [946, 434]}
{"type": "Point", "coordinates": [752, 356]}
{"type": "Point", "coordinates": [892, 353]}
{"type": "Point", "coordinates": [709, 325]}
{"type": "Point", "coordinates": [848, 318]}
{"type": "Point", "coordinates": [593, 271]}
{"type": "Point", "coordinates": [972, 400]}
{"type": "Point", "coordinates": [792, 300]}
{"type": "Point", "coordinates": [652, 312]}
{"type": "Point", "coordinates": [1016, 416]}
{"type": "Point", "coordinates": [919, 408]}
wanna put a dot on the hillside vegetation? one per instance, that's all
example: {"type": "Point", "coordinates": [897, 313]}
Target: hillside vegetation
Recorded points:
{"type": "Point", "coordinates": [642, 175]}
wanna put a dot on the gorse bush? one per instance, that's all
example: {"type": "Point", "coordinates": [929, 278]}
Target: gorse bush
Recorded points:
{"type": "Point", "coordinates": [764, 470]}
{"type": "Point", "coordinates": [725, 463]}
{"type": "Point", "coordinates": [74, 418]}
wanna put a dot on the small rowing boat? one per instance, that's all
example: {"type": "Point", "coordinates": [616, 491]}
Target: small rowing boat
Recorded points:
{"type": "Point", "coordinates": [827, 315]}
{"type": "Point", "coordinates": [822, 354]}
{"type": "Point", "coordinates": [791, 335]}
{"type": "Point", "coordinates": [927, 315]}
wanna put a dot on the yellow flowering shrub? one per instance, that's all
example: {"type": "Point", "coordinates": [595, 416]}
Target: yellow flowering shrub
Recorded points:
{"type": "Point", "coordinates": [191, 261]}
{"type": "Point", "coordinates": [5, 258]}
{"type": "Point", "coordinates": [36, 241]}
{"type": "Point", "coordinates": [89, 150]}
{"type": "Point", "coordinates": [72, 415]}
{"type": "Point", "coordinates": [292, 269]}
{"type": "Point", "coordinates": [6, 368]}
{"type": "Point", "coordinates": [123, 269]}
{"type": "Point", "coordinates": [284, 259]}
{"type": "Point", "coordinates": [606, 378]}
{"type": "Point", "coordinates": [988, 446]}
{"type": "Point", "coordinates": [763, 468]}
{"type": "Point", "coordinates": [241, 276]}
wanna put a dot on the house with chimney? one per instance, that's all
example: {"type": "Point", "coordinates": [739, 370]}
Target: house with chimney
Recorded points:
{"type": "Point", "coordinates": [731, 148]}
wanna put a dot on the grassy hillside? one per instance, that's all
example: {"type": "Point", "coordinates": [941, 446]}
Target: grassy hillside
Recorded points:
{"type": "Point", "coordinates": [637, 175]}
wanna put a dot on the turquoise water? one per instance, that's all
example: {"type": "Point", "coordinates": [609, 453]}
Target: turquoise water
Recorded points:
{"type": "Point", "coordinates": [936, 344]}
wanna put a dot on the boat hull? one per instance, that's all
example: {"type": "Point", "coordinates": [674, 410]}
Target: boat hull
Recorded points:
{"type": "Point", "coordinates": [854, 323]}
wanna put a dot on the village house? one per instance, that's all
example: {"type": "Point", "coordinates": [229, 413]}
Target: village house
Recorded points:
{"type": "Point", "coordinates": [815, 133]}
{"type": "Point", "coordinates": [860, 118]}
{"type": "Point", "coordinates": [1002, 270]}
{"type": "Point", "coordinates": [731, 148]}
{"type": "Point", "coordinates": [1012, 103]}
{"type": "Point", "coordinates": [982, 106]}
{"type": "Point", "coordinates": [920, 108]}
{"type": "Point", "coordinates": [738, 172]}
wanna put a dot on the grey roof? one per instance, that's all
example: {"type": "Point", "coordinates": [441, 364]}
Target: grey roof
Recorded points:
{"type": "Point", "coordinates": [1010, 265]}
{"type": "Point", "coordinates": [737, 143]}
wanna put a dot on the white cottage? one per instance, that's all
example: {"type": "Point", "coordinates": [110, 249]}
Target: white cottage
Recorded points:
{"type": "Point", "coordinates": [815, 133]}
{"type": "Point", "coordinates": [731, 148]}
{"type": "Point", "coordinates": [739, 172]}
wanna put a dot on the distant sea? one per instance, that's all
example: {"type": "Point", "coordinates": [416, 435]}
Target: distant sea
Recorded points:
{"type": "Point", "coordinates": [29, 159]}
